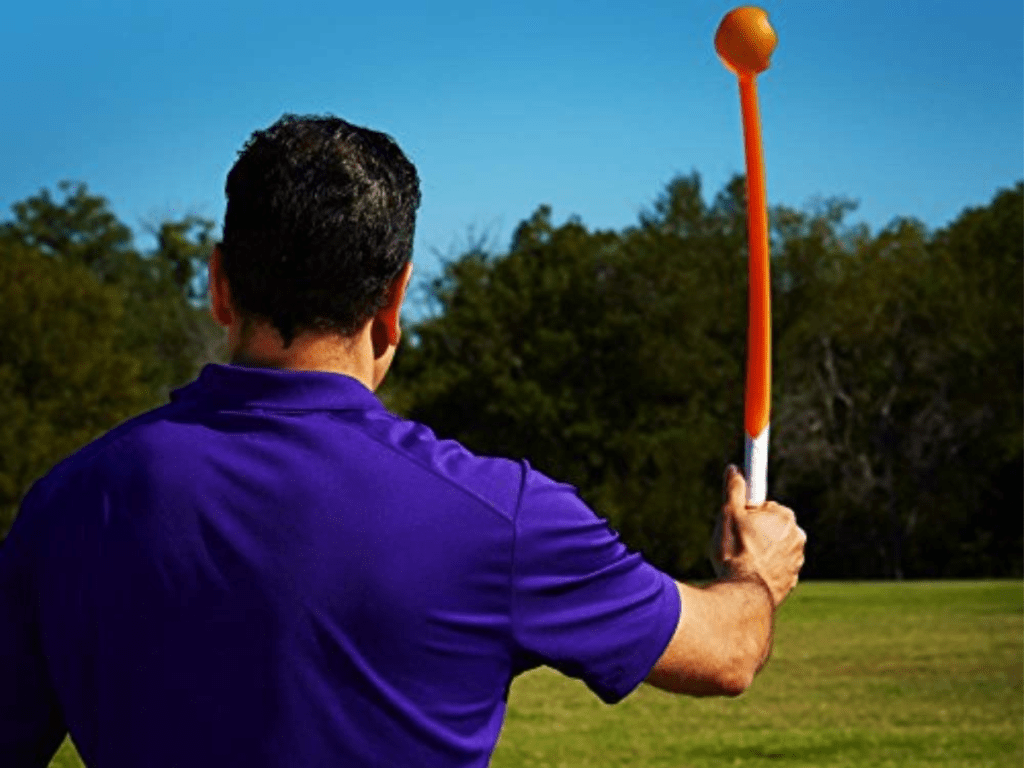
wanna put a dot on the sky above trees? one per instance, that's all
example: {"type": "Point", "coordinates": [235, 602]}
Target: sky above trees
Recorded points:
{"type": "Point", "coordinates": [913, 108]}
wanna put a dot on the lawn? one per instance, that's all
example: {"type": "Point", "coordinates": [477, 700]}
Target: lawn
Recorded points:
{"type": "Point", "coordinates": [863, 674]}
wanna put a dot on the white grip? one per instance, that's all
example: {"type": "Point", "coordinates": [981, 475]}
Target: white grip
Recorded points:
{"type": "Point", "coordinates": [755, 467]}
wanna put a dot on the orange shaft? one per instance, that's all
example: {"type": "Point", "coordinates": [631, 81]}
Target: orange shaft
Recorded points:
{"type": "Point", "coordinates": [759, 328]}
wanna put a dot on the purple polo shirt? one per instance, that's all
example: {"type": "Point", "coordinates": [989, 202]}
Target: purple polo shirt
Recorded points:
{"type": "Point", "coordinates": [273, 571]}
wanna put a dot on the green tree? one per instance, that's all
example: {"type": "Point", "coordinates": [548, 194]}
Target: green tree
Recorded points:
{"type": "Point", "coordinates": [164, 323]}
{"type": "Point", "coordinates": [184, 246]}
{"type": "Point", "coordinates": [609, 360]}
{"type": "Point", "coordinates": [895, 371]}
{"type": "Point", "coordinates": [982, 381]}
{"type": "Point", "coordinates": [170, 326]}
{"type": "Point", "coordinates": [75, 287]}
{"type": "Point", "coordinates": [75, 227]}
{"type": "Point", "coordinates": [615, 361]}
{"type": "Point", "coordinates": [63, 381]}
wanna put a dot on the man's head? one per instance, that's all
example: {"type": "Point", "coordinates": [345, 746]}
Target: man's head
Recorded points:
{"type": "Point", "coordinates": [318, 230]}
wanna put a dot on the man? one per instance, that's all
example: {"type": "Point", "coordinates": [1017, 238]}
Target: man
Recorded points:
{"type": "Point", "coordinates": [272, 570]}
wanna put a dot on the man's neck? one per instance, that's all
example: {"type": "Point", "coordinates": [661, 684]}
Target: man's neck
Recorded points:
{"type": "Point", "coordinates": [244, 360]}
{"type": "Point", "coordinates": [326, 364]}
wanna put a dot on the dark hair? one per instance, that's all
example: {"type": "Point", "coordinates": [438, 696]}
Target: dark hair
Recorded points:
{"type": "Point", "coordinates": [320, 219]}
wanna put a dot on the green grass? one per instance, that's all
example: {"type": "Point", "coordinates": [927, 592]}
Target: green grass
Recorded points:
{"type": "Point", "coordinates": [863, 674]}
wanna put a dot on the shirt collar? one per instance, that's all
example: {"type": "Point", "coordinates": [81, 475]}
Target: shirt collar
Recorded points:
{"type": "Point", "coordinates": [236, 386]}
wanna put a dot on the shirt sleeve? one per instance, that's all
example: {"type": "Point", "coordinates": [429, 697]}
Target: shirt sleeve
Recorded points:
{"type": "Point", "coordinates": [31, 724]}
{"type": "Point", "coordinates": [582, 602]}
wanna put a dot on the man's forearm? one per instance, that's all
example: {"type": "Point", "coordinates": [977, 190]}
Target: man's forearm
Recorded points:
{"type": "Point", "coordinates": [723, 639]}
{"type": "Point", "coordinates": [753, 614]}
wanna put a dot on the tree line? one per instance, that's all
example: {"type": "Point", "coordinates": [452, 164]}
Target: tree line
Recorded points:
{"type": "Point", "coordinates": [615, 361]}
{"type": "Point", "coordinates": [92, 330]}
{"type": "Point", "coordinates": [612, 360]}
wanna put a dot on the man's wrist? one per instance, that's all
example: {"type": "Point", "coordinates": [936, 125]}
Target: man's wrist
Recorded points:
{"type": "Point", "coordinates": [756, 583]}
{"type": "Point", "coordinates": [737, 575]}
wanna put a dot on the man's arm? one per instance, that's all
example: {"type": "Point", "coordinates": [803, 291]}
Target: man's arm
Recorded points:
{"type": "Point", "coordinates": [724, 634]}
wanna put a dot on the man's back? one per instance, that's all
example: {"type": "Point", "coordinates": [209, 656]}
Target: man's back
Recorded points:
{"type": "Point", "coordinates": [275, 571]}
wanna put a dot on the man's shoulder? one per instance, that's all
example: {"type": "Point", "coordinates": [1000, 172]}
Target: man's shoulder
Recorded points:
{"type": "Point", "coordinates": [494, 480]}
{"type": "Point", "coordinates": [72, 464]}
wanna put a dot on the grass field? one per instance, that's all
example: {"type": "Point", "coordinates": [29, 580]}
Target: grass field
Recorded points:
{"type": "Point", "coordinates": [863, 675]}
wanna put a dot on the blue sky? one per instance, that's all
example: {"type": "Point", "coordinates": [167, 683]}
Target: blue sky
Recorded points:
{"type": "Point", "coordinates": [912, 107]}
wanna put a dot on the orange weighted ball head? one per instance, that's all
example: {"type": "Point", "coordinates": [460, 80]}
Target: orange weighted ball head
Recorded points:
{"type": "Point", "coordinates": [745, 40]}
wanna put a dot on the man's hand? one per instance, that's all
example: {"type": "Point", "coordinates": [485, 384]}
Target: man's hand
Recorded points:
{"type": "Point", "coordinates": [759, 543]}
{"type": "Point", "coordinates": [724, 635]}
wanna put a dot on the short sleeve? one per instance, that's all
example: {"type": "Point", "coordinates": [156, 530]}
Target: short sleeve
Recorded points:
{"type": "Point", "coordinates": [582, 602]}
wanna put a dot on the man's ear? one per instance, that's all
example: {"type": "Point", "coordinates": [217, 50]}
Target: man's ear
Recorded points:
{"type": "Point", "coordinates": [390, 313]}
{"type": "Point", "coordinates": [220, 298]}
